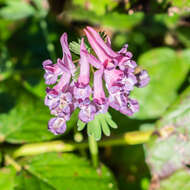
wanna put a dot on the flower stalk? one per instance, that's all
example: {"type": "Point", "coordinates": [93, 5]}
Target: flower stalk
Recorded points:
{"type": "Point", "coordinates": [129, 138]}
{"type": "Point", "coordinates": [93, 147]}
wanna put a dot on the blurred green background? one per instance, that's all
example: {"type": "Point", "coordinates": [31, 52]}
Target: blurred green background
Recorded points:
{"type": "Point", "coordinates": [158, 35]}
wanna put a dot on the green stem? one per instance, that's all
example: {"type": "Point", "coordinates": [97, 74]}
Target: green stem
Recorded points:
{"type": "Point", "coordinates": [129, 138]}
{"type": "Point", "coordinates": [38, 148]}
{"type": "Point", "coordinates": [10, 161]}
{"type": "Point", "coordinates": [93, 147]}
{"type": "Point", "coordinates": [49, 44]}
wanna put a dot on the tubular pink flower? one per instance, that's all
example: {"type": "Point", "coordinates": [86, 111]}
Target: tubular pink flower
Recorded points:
{"type": "Point", "coordinates": [113, 78]}
{"type": "Point", "coordinates": [99, 98]}
{"type": "Point", "coordinates": [67, 58]}
{"type": "Point", "coordinates": [99, 95]}
{"type": "Point", "coordinates": [84, 76]}
{"type": "Point", "coordinates": [102, 50]}
{"type": "Point", "coordinates": [116, 68]}
{"type": "Point", "coordinates": [52, 72]}
{"type": "Point", "coordinates": [93, 60]}
{"type": "Point", "coordinates": [108, 42]}
{"type": "Point", "coordinates": [87, 111]}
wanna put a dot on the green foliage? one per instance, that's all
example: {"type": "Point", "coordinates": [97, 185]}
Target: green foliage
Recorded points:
{"type": "Point", "coordinates": [167, 70]}
{"type": "Point", "coordinates": [157, 33]}
{"type": "Point", "coordinates": [101, 123]}
{"type": "Point", "coordinates": [112, 19]}
{"type": "Point", "coordinates": [180, 3]}
{"type": "Point", "coordinates": [16, 9]}
{"type": "Point", "coordinates": [7, 178]}
{"type": "Point", "coordinates": [67, 168]}
{"type": "Point", "coordinates": [98, 6]}
{"type": "Point", "coordinates": [170, 151]}
{"type": "Point", "coordinates": [179, 180]}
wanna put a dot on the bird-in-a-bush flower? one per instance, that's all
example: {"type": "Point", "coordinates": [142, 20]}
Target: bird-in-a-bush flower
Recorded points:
{"type": "Point", "coordinates": [116, 70]}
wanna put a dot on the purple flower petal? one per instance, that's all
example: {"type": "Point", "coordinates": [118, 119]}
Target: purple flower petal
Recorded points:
{"type": "Point", "coordinates": [117, 100]}
{"type": "Point", "coordinates": [99, 97]}
{"type": "Point", "coordinates": [128, 81]}
{"type": "Point", "coordinates": [52, 72]}
{"type": "Point", "coordinates": [142, 78]}
{"type": "Point", "coordinates": [67, 58]}
{"type": "Point", "coordinates": [82, 93]}
{"type": "Point", "coordinates": [128, 64]}
{"type": "Point", "coordinates": [102, 50]}
{"type": "Point", "coordinates": [93, 60]}
{"type": "Point", "coordinates": [63, 108]}
{"type": "Point", "coordinates": [52, 98]}
{"type": "Point", "coordinates": [131, 107]}
{"type": "Point", "coordinates": [113, 78]}
{"type": "Point", "coordinates": [87, 112]}
{"type": "Point", "coordinates": [57, 125]}
{"type": "Point", "coordinates": [84, 76]}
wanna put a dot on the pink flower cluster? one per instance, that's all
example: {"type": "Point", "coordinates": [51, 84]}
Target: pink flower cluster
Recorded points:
{"type": "Point", "coordinates": [117, 69]}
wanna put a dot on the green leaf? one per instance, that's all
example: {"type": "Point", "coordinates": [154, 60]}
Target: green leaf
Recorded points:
{"type": "Point", "coordinates": [183, 35]}
{"type": "Point", "coordinates": [26, 122]}
{"type": "Point", "coordinates": [178, 114]}
{"type": "Point", "coordinates": [24, 180]}
{"type": "Point", "coordinates": [105, 127]}
{"type": "Point", "coordinates": [114, 20]}
{"type": "Point", "coordinates": [94, 129]}
{"type": "Point", "coordinates": [163, 65]}
{"type": "Point", "coordinates": [28, 119]}
{"type": "Point", "coordinates": [42, 8]}
{"type": "Point", "coordinates": [110, 122]}
{"type": "Point", "coordinates": [80, 125]}
{"type": "Point", "coordinates": [166, 155]}
{"type": "Point", "coordinates": [68, 171]}
{"type": "Point", "coordinates": [36, 85]}
{"type": "Point", "coordinates": [101, 122]}
{"type": "Point", "coordinates": [170, 150]}
{"type": "Point", "coordinates": [179, 180]}
{"type": "Point", "coordinates": [180, 3]}
{"type": "Point", "coordinates": [98, 6]}
{"type": "Point", "coordinates": [7, 175]}
{"type": "Point", "coordinates": [75, 47]}
{"type": "Point", "coordinates": [16, 10]}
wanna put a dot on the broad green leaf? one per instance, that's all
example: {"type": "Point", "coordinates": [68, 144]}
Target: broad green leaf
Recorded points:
{"type": "Point", "coordinates": [180, 3]}
{"type": "Point", "coordinates": [7, 181]}
{"type": "Point", "coordinates": [16, 10]}
{"type": "Point", "coordinates": [167, 70]}
{"type": "Point", "coordinates": [179, 180]}
{"type": "Point", "coordinates": [169, 21]}
{"type": "Point", "coordinates": [24, 180]}
{"type": "Point", "coordinates": [114, 20]}
{"type": "Point", "coordinates": [35, 83]}
{"type": "Point", "coordinates": [42, 8]}
{"type": "Point", "coordinates": [68, 171]}
{"type": "Point", "coordinates": [166, 155]}
{"type": "Point", "coordinates": [183, 35]}
{"type": "Point", "coordinates": [178, 115]}
{"type": "Point", "coordinates": [26, 122]}
{"type": "Point", "coordinates": [170, 150]}
{"type": "Point", "coordinates": [98, 6]}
